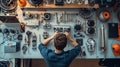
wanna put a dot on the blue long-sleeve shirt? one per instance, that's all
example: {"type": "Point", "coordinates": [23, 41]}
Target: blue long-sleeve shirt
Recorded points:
{"type": "Point", "coordinates": [62, 59]}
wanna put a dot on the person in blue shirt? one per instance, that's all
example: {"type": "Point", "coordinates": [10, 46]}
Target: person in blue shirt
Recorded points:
{"type": "Point", "coordinates": [58, 57]}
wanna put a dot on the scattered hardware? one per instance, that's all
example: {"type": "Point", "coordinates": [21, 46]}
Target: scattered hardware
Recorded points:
{"type": "Point", "coordinates": [116, 49]}
{"type": "Point", "coordinates": [91, 45]}
{"type": "Point", "coordinates": [20, 37]}
{"type": "Point", "coordinates": [34, 41]}
{"type": "Point", "coordinates": [91, 2]}
{"type": "Point", "coordinates": [47, 16]}
{"type": "Point", "coordinates": [77, 27]}
{"type": "Point", "coordinates": [22, 3]}
{"type": "Point", "coordinates": [79, 41]}
{"type": "Point", "coordinates": [11, 47]}
{"type": "Point", "coordinates": [91, 30]}
{"type": "Point", "coordinates": [6, 31]}
{"type": "Point", "coordinates": [82, 52]}
{"type": "Point", "coordinates": [86, 12]}
{"type": "Point", "coordinates": [68, 1]}
{"type": "Point", "coordinates": [112, 30]}
{"type": "Point", "coordinates": [78, 34]}
{"type": "Point", "coordinates": [80, 1]}
{"type": "Point", "coordinates": [59, 2]}
{"type": "Point", "coordinates": [104, 16]}
{"type": "Point", "coordinates": [102, 41]}
{"type": "Point", "coordinates": [90, 27]}
{"type": "Point", "coordinates": [45, 35]}
{"type": "Point", "coordinates": [47, 26]}
{"type": "Point", "coordinates": [103, 47]}
{"type": "Point", "coordinates": [22, 27]}
{"type": "Point", "coordinates": [57, 21]}
{"type": "Point", "coordinates": [106, 3]}
{"type": "Point", "coordinates": [91, 23]}
{"type": "Point", "coordinates": [24, 48]}
{"type": "Point", "coordinates": [28, 33]}
{"type": "Point", "coordinates": [35, 2]}
{"type": "Point", "coordinates": [62, 28]}
{"type": "Point", "coordinates": [8, 5]}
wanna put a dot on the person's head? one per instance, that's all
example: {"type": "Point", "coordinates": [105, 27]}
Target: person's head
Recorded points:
{"type": "Point", "coordinates": [60, 41]}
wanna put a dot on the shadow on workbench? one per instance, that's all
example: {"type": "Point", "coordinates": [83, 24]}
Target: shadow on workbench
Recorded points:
{"type": "Point", "coordinates": [75, 63]}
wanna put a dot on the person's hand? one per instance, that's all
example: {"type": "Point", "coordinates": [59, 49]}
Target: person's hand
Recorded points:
{"type": "Point", "coordinates": [67, 34]}
{"type": "Point", "coordinates": [53, 36]}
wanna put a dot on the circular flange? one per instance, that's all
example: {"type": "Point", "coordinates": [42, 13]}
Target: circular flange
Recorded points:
{"type": "Point", "coordinates": [8, 5]}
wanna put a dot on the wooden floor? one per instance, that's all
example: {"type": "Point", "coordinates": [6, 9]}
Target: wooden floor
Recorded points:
{"type": "Point", "coordinates": [75, 63]}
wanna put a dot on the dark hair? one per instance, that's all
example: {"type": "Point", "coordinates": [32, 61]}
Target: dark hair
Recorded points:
{"type": "Point", "coordinates": [60, 41]}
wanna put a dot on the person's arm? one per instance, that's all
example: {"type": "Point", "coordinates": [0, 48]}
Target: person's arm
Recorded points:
{"type": "Point", "coordinates": [42, 47]}
{"type": "Point", "coordinates": [46, 41]}
{"type": "Point", "coordinates": [74, 43]}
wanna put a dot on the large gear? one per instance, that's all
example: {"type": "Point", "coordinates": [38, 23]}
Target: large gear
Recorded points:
{"type": "Point", "coordinates": [8, 5]}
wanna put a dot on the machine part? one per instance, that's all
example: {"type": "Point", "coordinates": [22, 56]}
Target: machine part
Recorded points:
{"type": "Point", "coordinates": [99, 38]}
{"type": "Point", "coordinates": [11, 47]}
{"type": "Point", "coordinates": [106, 3]}
{"type": "Point", "coordinates": [34, 41]}
{"type": "Point", "coordinates": [68, 1]}
{"type": "Point", "coordinates": [86, 12]}
{"type": "Point", "coordinates": [103, 37]}
{"type": "Point", "coordinates": [45, 35]}
{"type": "Point", "coordinates": [116, 49]}
{"type": "Point", "coordinates": [62, 28]}
{"type": "Point", "coordinates": [8, 5]}
{"type": "Point", "coordinates": [13, 31]}
{"type": "Point", "coordinates": [77, 27]}
{"type": "Point", "coordinates": [6, 31]}
{"type": "Point", "coordinates": [103, 46]}
{"type": "Point", "coordinates": [80, 1]}
{"type": "Point", "coordinates": [91, 2]}
{"type": "Point", "coordinates": [27, 15]}
{"type": "Point", "coordinates": [28, 33]}
{"type": "Point", "coordinates": [20, 37]}
{"type": "Point", "coordinates": [91, 23]}
{"type": "Point", "coordinates": [104, 16]}
{"type": "Point", "coordinates": [79, 41]}
{"type": "Point", "coordinates": [59, 2]}
{"type": "Point", "coordinates": [113, 30]}
{"type": "Point", "coordinates": [91, 30]}
{"type": "Point", "coordinates": [47, 26]}
{"type": "Point", "coordinates": [91, 45]}
{"type": "Point", "coordinates": [35, 2]}
{"type": "Point", "coordinates": [67, 29]}
{"type": "Point", "coordinates": [82, 52]}
{"type": "Point", "coordinates": [78, 34]}
{"type": "Point", "coordinates": [56, 14]}
{"type": "Point", "coordinates": [47, 16]}
{"type": "Point", "coordinates": [24, 48]}
{"type": "Point", "coordinates": [22, 3]}
{"type": "Point", "coordinates": [22, 27]}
